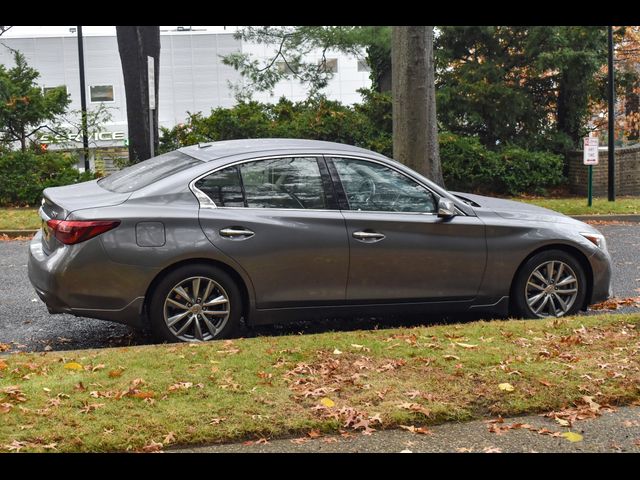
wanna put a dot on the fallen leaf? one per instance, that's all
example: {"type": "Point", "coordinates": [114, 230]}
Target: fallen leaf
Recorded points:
{"type": "Point", "coordinates": [314, 434]}
{"type": "Point", "coordinates": [406, 450]}
{"type": "Point", "coordinates": [152, 447]}
{"type": "Point", "coordinates": [562, 422]}
{"type": "Point", "coordinates": [100, 366]}
{"type": "Point", "coordinates": [169, 438]}
{"type": "Point", "coordinates": [3, 364]}
{"type": "Point", "coordinates": [492, 450]}
{"type": "Point", "coordinates": [5, 407]}
{"type": "Point", "coordinates": [337, 352]}
{"type": "Point", "coordinates": [466, 345]}
{"type": "Point", "coordinates": [327, 402]}
{"type": "Point", "coordinates": [506, 387]}
{"type": "Point", "coordinates": [420, 430]}
{"type": "Point", "coordinates": [115, 373]}
{"type": "Point", "coordinates": [90, 407]}
{"type": "Point", "coordinates": [143, 395]}
{"type": "Point", "coordinates": [216, 421]}
{"type": "Point", "coordinates": [15, 446]}
{"type": "Point", "coordinates": [180, 386]}
{"type": "Point", "coordinates": [572, 436]}
{"type": "Point", "coordinates": [451, 357]}
{"type": "Point", "coordinates": [73, 366]}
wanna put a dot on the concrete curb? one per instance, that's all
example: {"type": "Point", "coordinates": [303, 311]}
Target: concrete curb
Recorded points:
{"type": "Point", "coordinates": [609, 218]}
{"type": "Point", "coordinates": [18, 233]}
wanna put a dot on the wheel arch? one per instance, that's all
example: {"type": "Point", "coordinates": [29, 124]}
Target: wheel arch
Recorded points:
{"type": "Point", "coordinates": [237, 278]}
{"type": "Point", "coordinates": [580, 257]}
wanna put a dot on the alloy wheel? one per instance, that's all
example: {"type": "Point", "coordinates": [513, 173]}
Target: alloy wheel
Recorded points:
{"type": "Point", "coordinates": [551, 289]}
{"type": "Point", "coordinates": [196, 309]}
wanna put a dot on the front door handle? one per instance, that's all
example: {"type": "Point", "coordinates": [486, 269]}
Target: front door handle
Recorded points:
{"type": "Point", "coordinates": [236, 233]}
{"type": "Point", "coordinates": [368, 237]}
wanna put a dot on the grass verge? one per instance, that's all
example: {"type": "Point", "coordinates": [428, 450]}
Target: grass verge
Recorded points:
{"type": "Point", "coordinates": [137, 398]}
{"type": "Point", "coordinates": [19, 219]}
{"type": "Point", "coordinates": [578, 205]}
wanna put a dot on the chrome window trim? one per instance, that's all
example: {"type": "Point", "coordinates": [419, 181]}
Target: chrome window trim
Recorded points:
{"type": "Point", "coordinates": [207, 203]}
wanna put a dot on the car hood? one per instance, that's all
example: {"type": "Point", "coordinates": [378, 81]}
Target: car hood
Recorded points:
{"type": "Point", "coordinates": [515, 210]}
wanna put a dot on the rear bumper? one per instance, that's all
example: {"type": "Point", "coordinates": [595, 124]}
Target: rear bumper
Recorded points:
{"type": "Point", "coordinates": [63, 284]}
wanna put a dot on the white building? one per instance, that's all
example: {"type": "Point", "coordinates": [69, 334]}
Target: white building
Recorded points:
{"type": "Point", "coordinates": [192, 75]}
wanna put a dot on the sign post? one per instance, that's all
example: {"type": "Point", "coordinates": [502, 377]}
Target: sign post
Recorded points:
{"type": "Point", "coordinates": [590, 159]}
{"type": "Point", "coordinates": [152, 100]}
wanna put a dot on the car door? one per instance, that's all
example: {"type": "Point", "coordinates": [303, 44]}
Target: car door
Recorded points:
{"type": "Point", "coordinates": [400, 250]}
{"type": "Point", "coordinates": [277, 217]}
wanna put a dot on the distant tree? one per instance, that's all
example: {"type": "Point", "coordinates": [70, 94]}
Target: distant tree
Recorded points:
{"type": "Point", "coordinates": [415, 131]}
{"type": "Point", "coordinates": [292, 44]}
{"type": "Point", "coordinates": [135, 44]}
{"type": "Point", "coordinates": [24, 107]}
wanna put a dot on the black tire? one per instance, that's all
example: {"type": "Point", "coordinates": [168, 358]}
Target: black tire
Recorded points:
{"type": "Point", "coordinates": [519, 303]}
{"type": "Point", "coordinates": [174, 278]}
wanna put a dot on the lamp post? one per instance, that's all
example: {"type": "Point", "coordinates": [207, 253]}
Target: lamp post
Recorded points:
{"type": "Point", "coordinates": [612, 101]}
{"type": "Point", "coordinates": [83, 103]}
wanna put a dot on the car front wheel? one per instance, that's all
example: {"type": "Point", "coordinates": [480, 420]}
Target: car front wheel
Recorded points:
{"type": "Point", "coordinates": [195, 303]}
{"type": "Point", "coordinates": [550, 284]}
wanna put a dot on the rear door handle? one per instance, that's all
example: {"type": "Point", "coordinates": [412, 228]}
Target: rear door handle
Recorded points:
{"type": "Point", "coordinates": [236, 232]}
{"type": "Point", "coordinates": [368, 237]}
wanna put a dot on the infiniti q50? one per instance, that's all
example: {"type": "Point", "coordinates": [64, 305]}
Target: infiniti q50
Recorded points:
{"type": "Point", "coordinates": [192, 241]}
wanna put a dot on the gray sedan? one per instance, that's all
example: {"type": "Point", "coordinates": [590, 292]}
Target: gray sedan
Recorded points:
{"type": "Point", "coordinates": [192, 241]}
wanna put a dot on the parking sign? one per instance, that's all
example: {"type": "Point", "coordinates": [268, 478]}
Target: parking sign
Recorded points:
{"type": "Point", "coordinates": [591, 150]}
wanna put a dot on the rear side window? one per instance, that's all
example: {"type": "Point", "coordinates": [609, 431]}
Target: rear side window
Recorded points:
{"type": "Point", "coordinates": [145, 173]}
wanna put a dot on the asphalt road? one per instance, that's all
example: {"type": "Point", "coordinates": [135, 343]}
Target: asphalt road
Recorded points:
{"type": "Point", "coordinates": [26, 325]}
{"type": "Point", "coordinates": [612, 432]}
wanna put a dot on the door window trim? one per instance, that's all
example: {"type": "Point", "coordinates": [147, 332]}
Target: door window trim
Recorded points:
{"type": "Point", "coordinates": [325, 179]}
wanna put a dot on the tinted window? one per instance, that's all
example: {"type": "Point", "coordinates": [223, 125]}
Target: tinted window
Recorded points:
{"type": "Point", "coordinates": [373, 187]}
{"type": "Point", "coordinates": [283, 183]}
{"type": "Point", "coordinates": [223, 187]}
{"type": "Point", "coordinates": [147, 172]}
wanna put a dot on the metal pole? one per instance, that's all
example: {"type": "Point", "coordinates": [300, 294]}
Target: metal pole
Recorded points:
{"type": "Point", "coordinates": [590, 186]}
{"type": "Point", "coordinates": [612, 102]}
{"type": "Point", "coordinates": [83, 103]}
{"type": "Point", "coordinates": [151, 133]}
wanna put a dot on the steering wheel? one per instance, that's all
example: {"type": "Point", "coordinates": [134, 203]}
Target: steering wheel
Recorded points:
{"type": "Point", "coordinates": [363, 193]}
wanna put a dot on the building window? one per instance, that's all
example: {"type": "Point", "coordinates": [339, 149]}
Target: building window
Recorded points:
{"type": "Point", "coordinates": [46, 90]}
{"type": "Point", "coordinates": [101, 93]}
{"type": "Point", "coordinates": [329, 64]}
{"type": "Point", "coordinates": [283, 67]}
{"type": "Point", "coordinates": [363, 66]}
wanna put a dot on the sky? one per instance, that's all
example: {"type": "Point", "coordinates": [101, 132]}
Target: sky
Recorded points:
{"type": "Point", "coordinates": [32, 31]}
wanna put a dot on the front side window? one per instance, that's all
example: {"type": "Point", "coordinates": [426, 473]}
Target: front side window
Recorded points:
{"type": "Point", "coordinates": [372, 187]}
{"type": "Point", "coordinates": [272, 183]}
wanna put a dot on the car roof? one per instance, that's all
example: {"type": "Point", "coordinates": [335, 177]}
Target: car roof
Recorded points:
{"type": "Point", "coordinates": [225, 148]}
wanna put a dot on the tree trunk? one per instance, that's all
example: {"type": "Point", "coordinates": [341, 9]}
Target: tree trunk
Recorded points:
{"type": "Point", "coordinates": [632, 110]}
{"type": "Point", "coordinates": [415, 131]}
{"type": "Point", "coordinates": [135, 44]}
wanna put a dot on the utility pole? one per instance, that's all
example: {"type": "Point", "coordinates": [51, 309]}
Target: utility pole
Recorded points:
{"type": "Point", "coordinates": [83, 102]}
{"type": "Point", "coordinates": [612, 103]}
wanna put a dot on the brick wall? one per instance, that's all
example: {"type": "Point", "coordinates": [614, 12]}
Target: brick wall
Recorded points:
{"type": "Point", "coordinates": [627, 172]}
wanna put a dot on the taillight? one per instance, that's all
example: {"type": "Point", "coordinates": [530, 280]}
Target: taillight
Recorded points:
{"type": "Point", "coordinates": [70, 232]}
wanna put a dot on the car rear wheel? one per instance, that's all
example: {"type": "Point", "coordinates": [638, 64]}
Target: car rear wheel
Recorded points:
{"type": "Point", "coordinates": [550, 284]}
{"type": "Point", "coordinates": [195, 303]}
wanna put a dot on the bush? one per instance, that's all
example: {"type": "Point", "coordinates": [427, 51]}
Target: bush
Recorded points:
{"type": "Point", "coordinates": [469, 166]}
{"type": "Point", "coordinates": [23, 175]}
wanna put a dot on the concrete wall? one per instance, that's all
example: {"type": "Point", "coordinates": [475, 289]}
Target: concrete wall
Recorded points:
{"type": "Point", "coordinates": [627, 172]}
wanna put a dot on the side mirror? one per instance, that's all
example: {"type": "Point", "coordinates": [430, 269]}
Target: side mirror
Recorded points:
{"type": "Point", "coordinates": [446, 208]}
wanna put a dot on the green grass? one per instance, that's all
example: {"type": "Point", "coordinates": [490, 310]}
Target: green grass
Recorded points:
{"type": "Point", "coordinates": [19, 219]}
{"type": "Point", "coordinates": [288, 385]}
{"type": "Point", "coordinates": [578, 205]}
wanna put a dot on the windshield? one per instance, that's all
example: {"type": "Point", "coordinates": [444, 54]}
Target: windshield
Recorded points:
{"type": "Point", "coordinates": [145, 173]}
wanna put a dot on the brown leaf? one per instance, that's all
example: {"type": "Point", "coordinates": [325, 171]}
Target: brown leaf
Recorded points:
{"type": "Point", "coordinates": [3, 364]}
{"type": "Point", "coordinates": [216, 421]}
{"type": "Point", "coordinates": [314, 434]}
{"type": "Point", "coordinates": [420, 430]}
{"type": "Point", "coordinates": [451, 357]}
{"type": "Point", "coordinates": [100, 366]}
{"type": "Point", "coordinates": [180, 386]}
{"type": "Point", "coordinates": [15, 446]}
{"type": "Point", "coordinates": [115, 373]}
{"type": "Point", "coordinates": [5, 407]}
{"type": "Point", "coordinates": [143, 395]}
{"type": "Point", "coordinates": [152, 447]}
{"type": "Point", "coordinates": [14, 393]}
{"type": "Point", "coordinates": [90, 407]}
{"type": "Point", "coordinates": [169, 438]}
{"type": "Point", "coordinates": [80, 387]}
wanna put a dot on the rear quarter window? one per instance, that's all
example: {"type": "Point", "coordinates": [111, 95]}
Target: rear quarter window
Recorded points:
{"type": "Point", "coordinates": [145, 173]}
